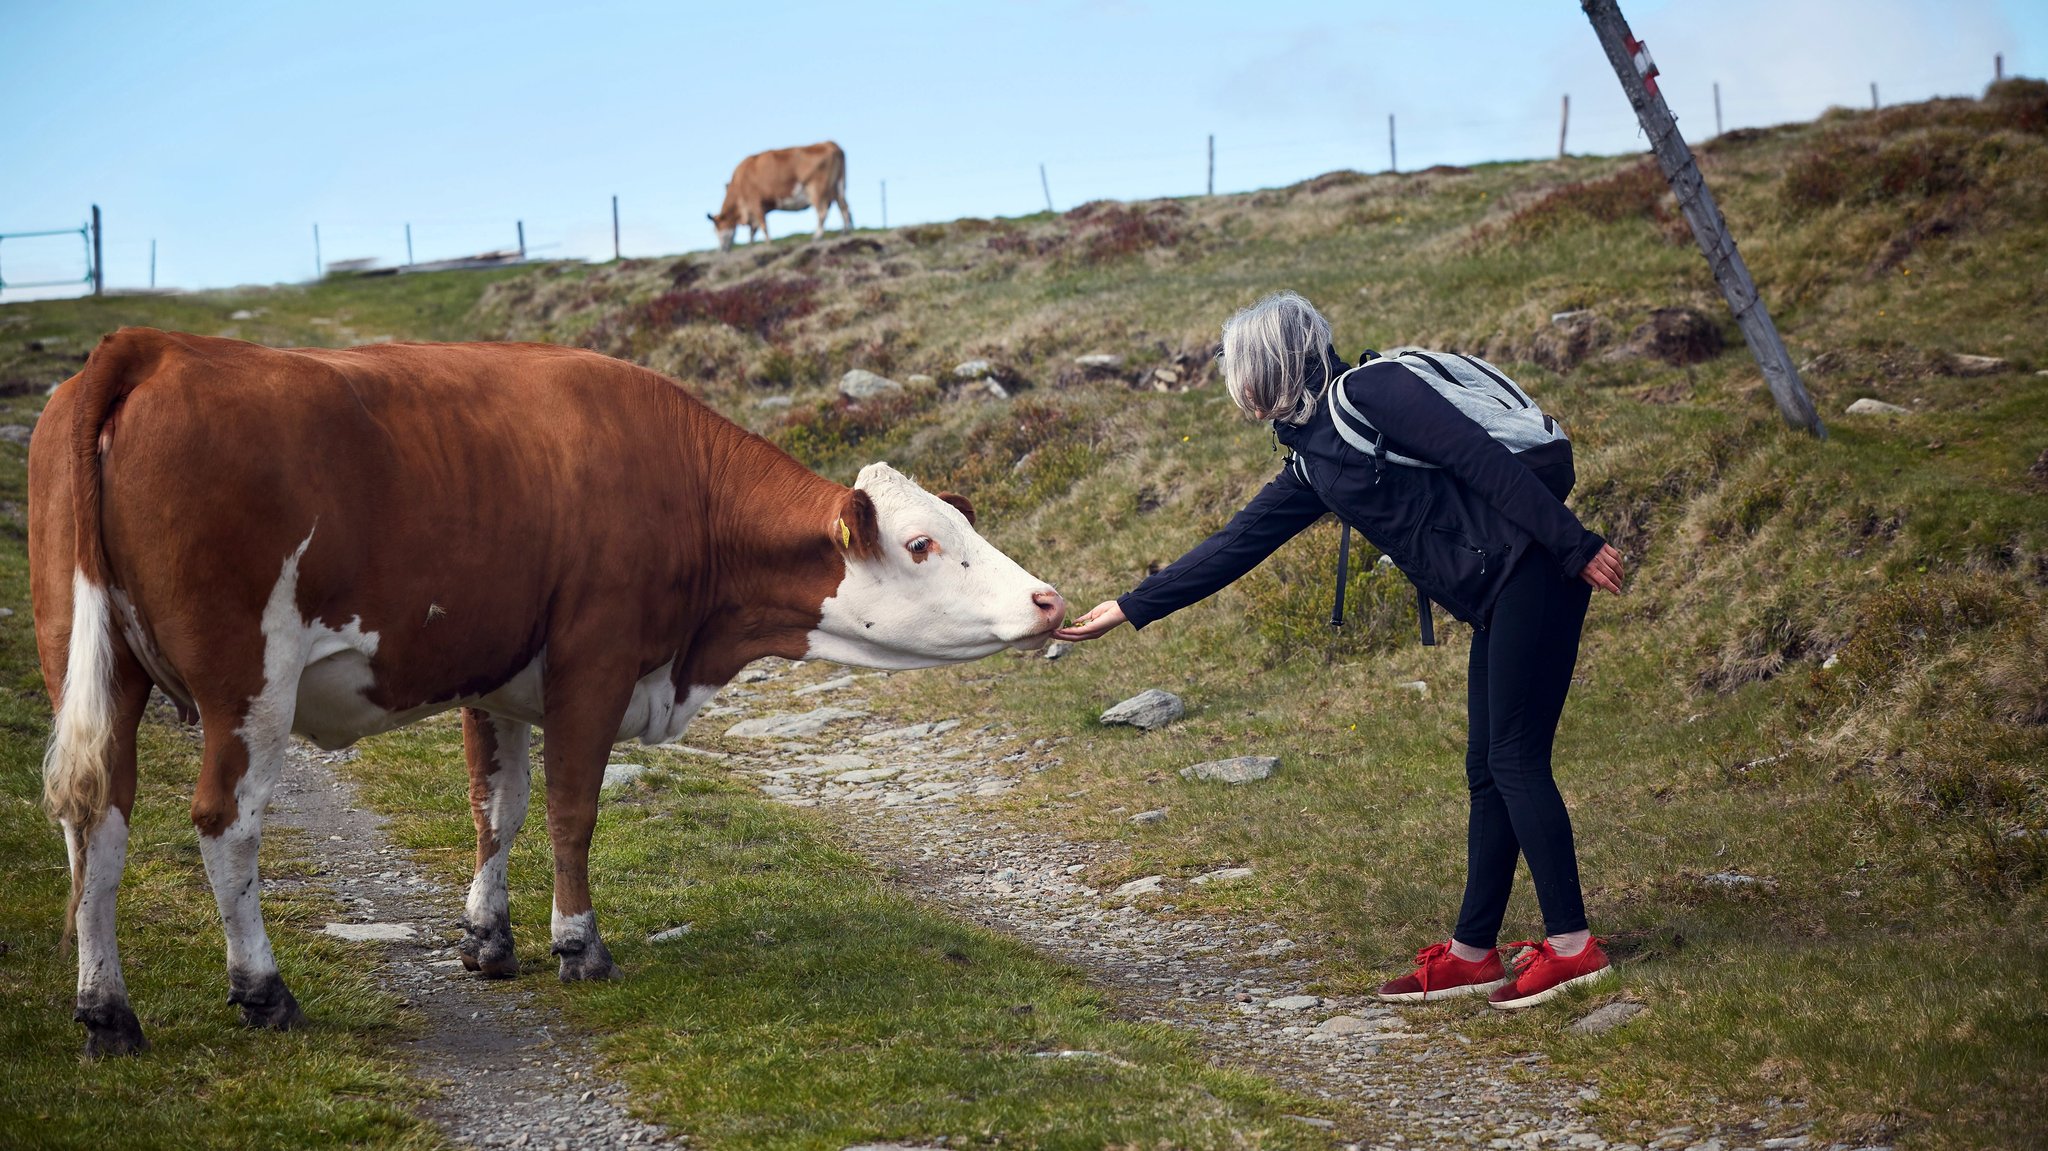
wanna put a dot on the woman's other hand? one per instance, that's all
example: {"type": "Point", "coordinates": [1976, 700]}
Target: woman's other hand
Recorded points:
{"type": "Point", "coordinates": [1603, 571]}
{"type": "Point", "coordinates": [1100, 621]}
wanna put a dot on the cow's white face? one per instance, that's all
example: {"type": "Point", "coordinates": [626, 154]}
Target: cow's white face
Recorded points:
{"type": "Point", "coordinates": [929, 590]}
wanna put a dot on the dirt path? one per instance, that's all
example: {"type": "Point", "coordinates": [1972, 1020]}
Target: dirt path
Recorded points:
{"type": "Point", "coordinates": [508, 1071]}
{"type": "Point", "coordinates": [913, 797]}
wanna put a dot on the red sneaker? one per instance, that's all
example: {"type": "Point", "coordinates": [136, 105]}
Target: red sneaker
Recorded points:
{"type": "Point", "coordinates": [1440, 975]}
{"type": "Point", "coordinates": [1542, 974]}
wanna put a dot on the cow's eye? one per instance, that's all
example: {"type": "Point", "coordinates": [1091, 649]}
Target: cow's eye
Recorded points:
{"type": "Point", "coordinates": [921, 547]}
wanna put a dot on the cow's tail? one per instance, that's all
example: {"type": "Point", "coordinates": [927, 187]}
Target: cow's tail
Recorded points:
{"type": "Point", "coordinates": [77, 769]}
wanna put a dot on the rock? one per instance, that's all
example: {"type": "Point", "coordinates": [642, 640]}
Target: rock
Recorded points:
{"type": "Point", "coordinates": [1419, 687]}
{"type": "Point", "coordinates": [1829, 663]}
{"type": "Point", "coordinates": [1312, 1121]}
{"type": "Point", "coordinates": [242, 314]}
{"type": "Point", "coordinates": [670, 935]}
{"type": "Point", "coordinates": [618, 773]}
{"type": "Point", "coordinates": [861, 384]}
{"type": "Point", "coordinates": [1295, 1003]}
{"type": "Point", "coordinates": [973, 370]}
{"type": "Point", "coordinates": [833, 684]}
{"type": "Point", "coordinates": [1222, 875]}
{"type": "Point", "coordinates": [1967, 365]}
{"type": "Point", "coordinates": [1570, 316]}
{"type": "Point", "coordinates": [1148, 709]}
{"type": "Point", "coordinates": [1100, 362]}
{"type": "Point", "coordinates": [833, 764]}
{"type": "Point", "coordinates": [16, 433]}
{"type": "Point", "coordinates": [1677, 336]}
{"type": "Point", "coordinates": [867, 775]}
{"type": "Point", "coordinates": [1353, 1025]}
{"type": "Point", "coordinates": [370, 932]}
{"type": "Point", "coordinates": [5, 612]}
{"type": "Point", "coordinates": [912, 731]}
{"type": "Point", "coordinates": [1607, 1018]}
{"type": "Point", "coordinates": [1136, 887]}
{"type": "Point", "coordinates": [1735, 880]}
{"type": "Point", "coordinates": [789, 726]}
{"type": "Point", "coordinates": [919, 381]}
{"type": "Point", "coordinates": [996, 389]}
{"type": "Point", "coordinates": [774, 402]}
{"type": "Point", "coordinates": [1869, 407]}
{"type": "Point", "coordinates": [1145, 818]}
{"type": "Point", "coordinates": [1056, 649]}
{"type": "Point", "coordinates": [753, 675]}
{"type": "Point", "coordinates": [1238, 769]}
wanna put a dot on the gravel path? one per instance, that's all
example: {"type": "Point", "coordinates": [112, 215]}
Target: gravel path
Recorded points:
{"type": "Point", "coordinates": [914, 797]}
{"type": "Point", "coordinates": [508, 1071]}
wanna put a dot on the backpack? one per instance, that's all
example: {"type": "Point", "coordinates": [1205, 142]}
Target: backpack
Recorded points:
{"type": "Point", "coordinates": [1483, 392]}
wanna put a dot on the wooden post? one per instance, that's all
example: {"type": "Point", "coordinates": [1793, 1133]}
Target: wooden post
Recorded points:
{"type": "Point", "coordinates": [1638, 72]}
{"type": "Point", "coordinates": [1212, 163]}
{"type": "Point", "coordinates": [521, 225]}
{"type": "Point", "coordinates": [1043, 183]}
{"type": "Point", "coordinates": [1717, 107]}
{"type": "Point", "coordinates": [408, 245]}
{"type": "Point", "coordinates": [1997, 67]}
{"type": "Point", "coordinates": [885, 203]}
{"type": "Point", "coordinates": [152, 263]}
{"type": "Point", "coordinates": [99, 266]}
{"type": "Point", "coordinates": [1873, 95]}
{"type": "Point", "coordinates": [1564, 122]}
{"type": "Point", "coordinates": [1393, 161]}
{"type": "Point", "coordinates": [319, 269]}
{"type": "Point", "coordinates": [615, 227]}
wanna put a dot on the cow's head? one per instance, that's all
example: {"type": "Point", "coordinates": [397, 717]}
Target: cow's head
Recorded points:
{"type": "Point", "coordinates": [921, 586]}
{"type": "Point", "coordinates": [727, 225]}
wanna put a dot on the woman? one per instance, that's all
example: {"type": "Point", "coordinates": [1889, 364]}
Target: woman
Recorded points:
{"type": "Point", "coordinates": [1486, 534]}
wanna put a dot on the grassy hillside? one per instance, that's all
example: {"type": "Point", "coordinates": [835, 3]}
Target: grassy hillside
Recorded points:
{"type": "Point", "coordinates": [1805, 754]}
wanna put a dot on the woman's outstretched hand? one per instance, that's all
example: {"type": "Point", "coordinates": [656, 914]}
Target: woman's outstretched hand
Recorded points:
{"type": "Point", "coordinates": [1604, 571]}
{"type": "Point", "coordinates": [1097, 623]}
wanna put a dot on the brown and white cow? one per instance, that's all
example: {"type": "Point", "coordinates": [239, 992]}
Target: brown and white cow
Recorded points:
{"type": "Point", "coordinates": [338, 543]}
{"type": "Point", "coordinates": [784, 180]}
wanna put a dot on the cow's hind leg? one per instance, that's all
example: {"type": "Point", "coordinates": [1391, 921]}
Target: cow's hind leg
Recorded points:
{"type": "Point", "coordinates": [499, 779]}
{"type": "Point", "coordinates": [243, 756]}
{"type": "Point", "coordinates": [111, 1027]}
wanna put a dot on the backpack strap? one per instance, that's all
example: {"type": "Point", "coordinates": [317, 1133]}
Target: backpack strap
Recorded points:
{"type": "Point", "coordinates": [1423, 617]}
{"type": "Point", "coordinates": [1344, 415]}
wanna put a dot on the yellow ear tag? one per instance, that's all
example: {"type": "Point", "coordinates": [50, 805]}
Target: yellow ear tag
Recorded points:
{"type": "Point", "coordinates": [845, 535]}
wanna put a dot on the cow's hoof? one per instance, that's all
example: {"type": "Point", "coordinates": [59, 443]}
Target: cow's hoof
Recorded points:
{"type": "Point", "coordinates": [490, 954]}
{"type": "Point", "coordinates": [586, 959]}
{"type": "Point", "coordinates": [266, 1003]}
{"type": "Point", "coordinates": [111, 1029]}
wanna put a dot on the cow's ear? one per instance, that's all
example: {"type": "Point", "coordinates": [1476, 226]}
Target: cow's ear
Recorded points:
{"type": "Point", "coordinates": [856, 531]}
{"type": "Point", "coordinates": [965, 506]}
{"type": "Point", "coordinates": [711, 217]}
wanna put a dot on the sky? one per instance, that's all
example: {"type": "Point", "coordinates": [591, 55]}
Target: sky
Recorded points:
{"type": "Point", "coordinates": [224, 132]}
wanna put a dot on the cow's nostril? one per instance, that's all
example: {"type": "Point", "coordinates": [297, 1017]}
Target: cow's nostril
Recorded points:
{"type": "Point", "coordinates": [1051, 604]}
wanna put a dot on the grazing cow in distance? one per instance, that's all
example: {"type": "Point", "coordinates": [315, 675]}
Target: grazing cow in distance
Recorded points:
{"type": "Point", "coordinates": [784, 180]}
{"type": "Point", "coordinates": [341, 542]}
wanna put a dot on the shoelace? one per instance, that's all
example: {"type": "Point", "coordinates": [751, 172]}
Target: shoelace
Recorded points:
{"type": "Point", "coordinates": [1540, 950]}
{"type": "Point", "coordinates": [1426, 958]}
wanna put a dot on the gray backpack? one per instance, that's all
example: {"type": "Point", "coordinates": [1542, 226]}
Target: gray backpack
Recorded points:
{"type": "Point", "coordinates": [1478, 389]}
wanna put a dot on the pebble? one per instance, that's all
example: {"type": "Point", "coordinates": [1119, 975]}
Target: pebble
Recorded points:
{"type": "Point", "coordinates": [1149, 709]}
{"type": "Point", "coordinates": [670, 934]}
{"type": "Point", "coordinates": [787, 726]}
{"type": "Point", "coordinates": [1964, 364]}
{"type": "Point", "coordinates": [1295, 1003]}
{"type": "Point", "coordinates": [1222, 875]}
{"type": "Point", "coordinates": [1100, 361]}
{"type": "Point", "coordinates": [867, 775]}
{"type": "Point", "coordinates": [1607, 1018]}
{"type": "Point", "coordinates": [861, 384]}
{"type": "Point", "coordinates": [972, 370]}
{"type": "Point", "coordinates": [911, 731]}
{"type": "Point", "coordinates": [1238, 769]}
{"type": "Point", "coordinates": [370, 932]}
{"type": "Point", "coordinates": [1137, 887]}
{"type": "Point", "coordinates": [1870, 407]}
{"type": "Point", "coordinates": [829, 685]}
{"type": "Point", "coordinates": [618, 773]}
{"type": "Point", "coordinates": [1157, 815]}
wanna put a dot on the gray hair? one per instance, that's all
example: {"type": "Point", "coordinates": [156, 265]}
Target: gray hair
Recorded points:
{"type": "Point", "coordinates": [1266, 350]}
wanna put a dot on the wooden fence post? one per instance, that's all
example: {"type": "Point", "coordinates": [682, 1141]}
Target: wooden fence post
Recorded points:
{"type": "Point", "coordinates": [1717, 107]}
{"type": "Point", "coordinates": [1564, 122]}
{"type": "Point", "coordinates": [1212, 163]}
{"type": "Point", "coordinates": [885, 203]}
{"type": "Point", "coordinates": [521, 225]}
{"type": "Point", "coordinates": [1873, 95]}
{"type": "Point", "coordinates": [1638, 72]}
{"type": "Point", "coordinates": [152, 263]}
{"type": "Point", "coordinates": [1393, 161]}
{"type": "Point", "coordinates": [615, 228]}
{"type": "Point", "coordinates": [99, 265]}
{"type": "Point", "coordinates": [319, 269]}
{"type": "Point", "coordinates": [1042, 183]}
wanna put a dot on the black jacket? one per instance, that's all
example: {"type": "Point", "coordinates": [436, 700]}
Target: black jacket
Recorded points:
{"type": "Point", "coordinates": [1456, 530]}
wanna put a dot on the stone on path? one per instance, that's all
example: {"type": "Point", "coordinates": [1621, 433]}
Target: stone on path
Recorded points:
{"type": "Point", "coordinates": [1607, 1018]}
{"type": "Point", "coordinates": [1223, 875]}
{"type": "Point", "coordinates": [1869, 407]}
{"type": "Point", "coordinates": [1157, 815]}
{"type": "Point", "coordinates": [1240, 769]}
{"type": "Point", "coordinates": [867, 775]}
{"type": "Point", "coordinates": [786, 726]}
{"type": "Point", "coordinates": [912, 731]}
{"type": "Point", "coordinates": [833, 684]}
{"type": "Point", "coordinates": [1146, 710]}
{"type": "Point", "coordinates": [618, 773]}
{"type": "Point", "coordinates": [753, 675]}
{"type": "Point", "coordinates": [370, 932]}
{"type": "Point", "coordinates": [1353, 1025]}
{"type": "Point", "coordinates": [1136, 887]}
{"type": "Point", "coordinates": [861, 384]}
{"type": "Point", "coordinates": [1295, 1003]}
{"type": "Point", "coordinates": [669, 935]}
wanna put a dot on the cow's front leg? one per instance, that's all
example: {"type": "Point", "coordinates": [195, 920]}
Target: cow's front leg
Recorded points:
{"type": "Point", "coordinates": [499, 781]}
{"type": "Point", "coordinates": [582, 721]}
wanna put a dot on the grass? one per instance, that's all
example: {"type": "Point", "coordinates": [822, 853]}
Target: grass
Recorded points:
{"type": "Point", "coordinates": [811, 1005]}
{"type": "Point", "coordinates": [1881, 979]}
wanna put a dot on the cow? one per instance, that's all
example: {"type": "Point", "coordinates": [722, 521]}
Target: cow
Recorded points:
{"type": "Point", "coordinates": [784, 180]}
{"type": "Point", "coordinates": [337, 543]}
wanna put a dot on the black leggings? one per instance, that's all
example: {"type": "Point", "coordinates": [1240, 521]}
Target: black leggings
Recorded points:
{"type": "Point", "coordinates": [1521, 670]}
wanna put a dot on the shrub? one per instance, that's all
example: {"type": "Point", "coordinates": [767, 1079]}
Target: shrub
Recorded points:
{"type": "Point", "coordinates": [1640, 192]}
{"type": "Point", "coordinates": [758, 306]}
